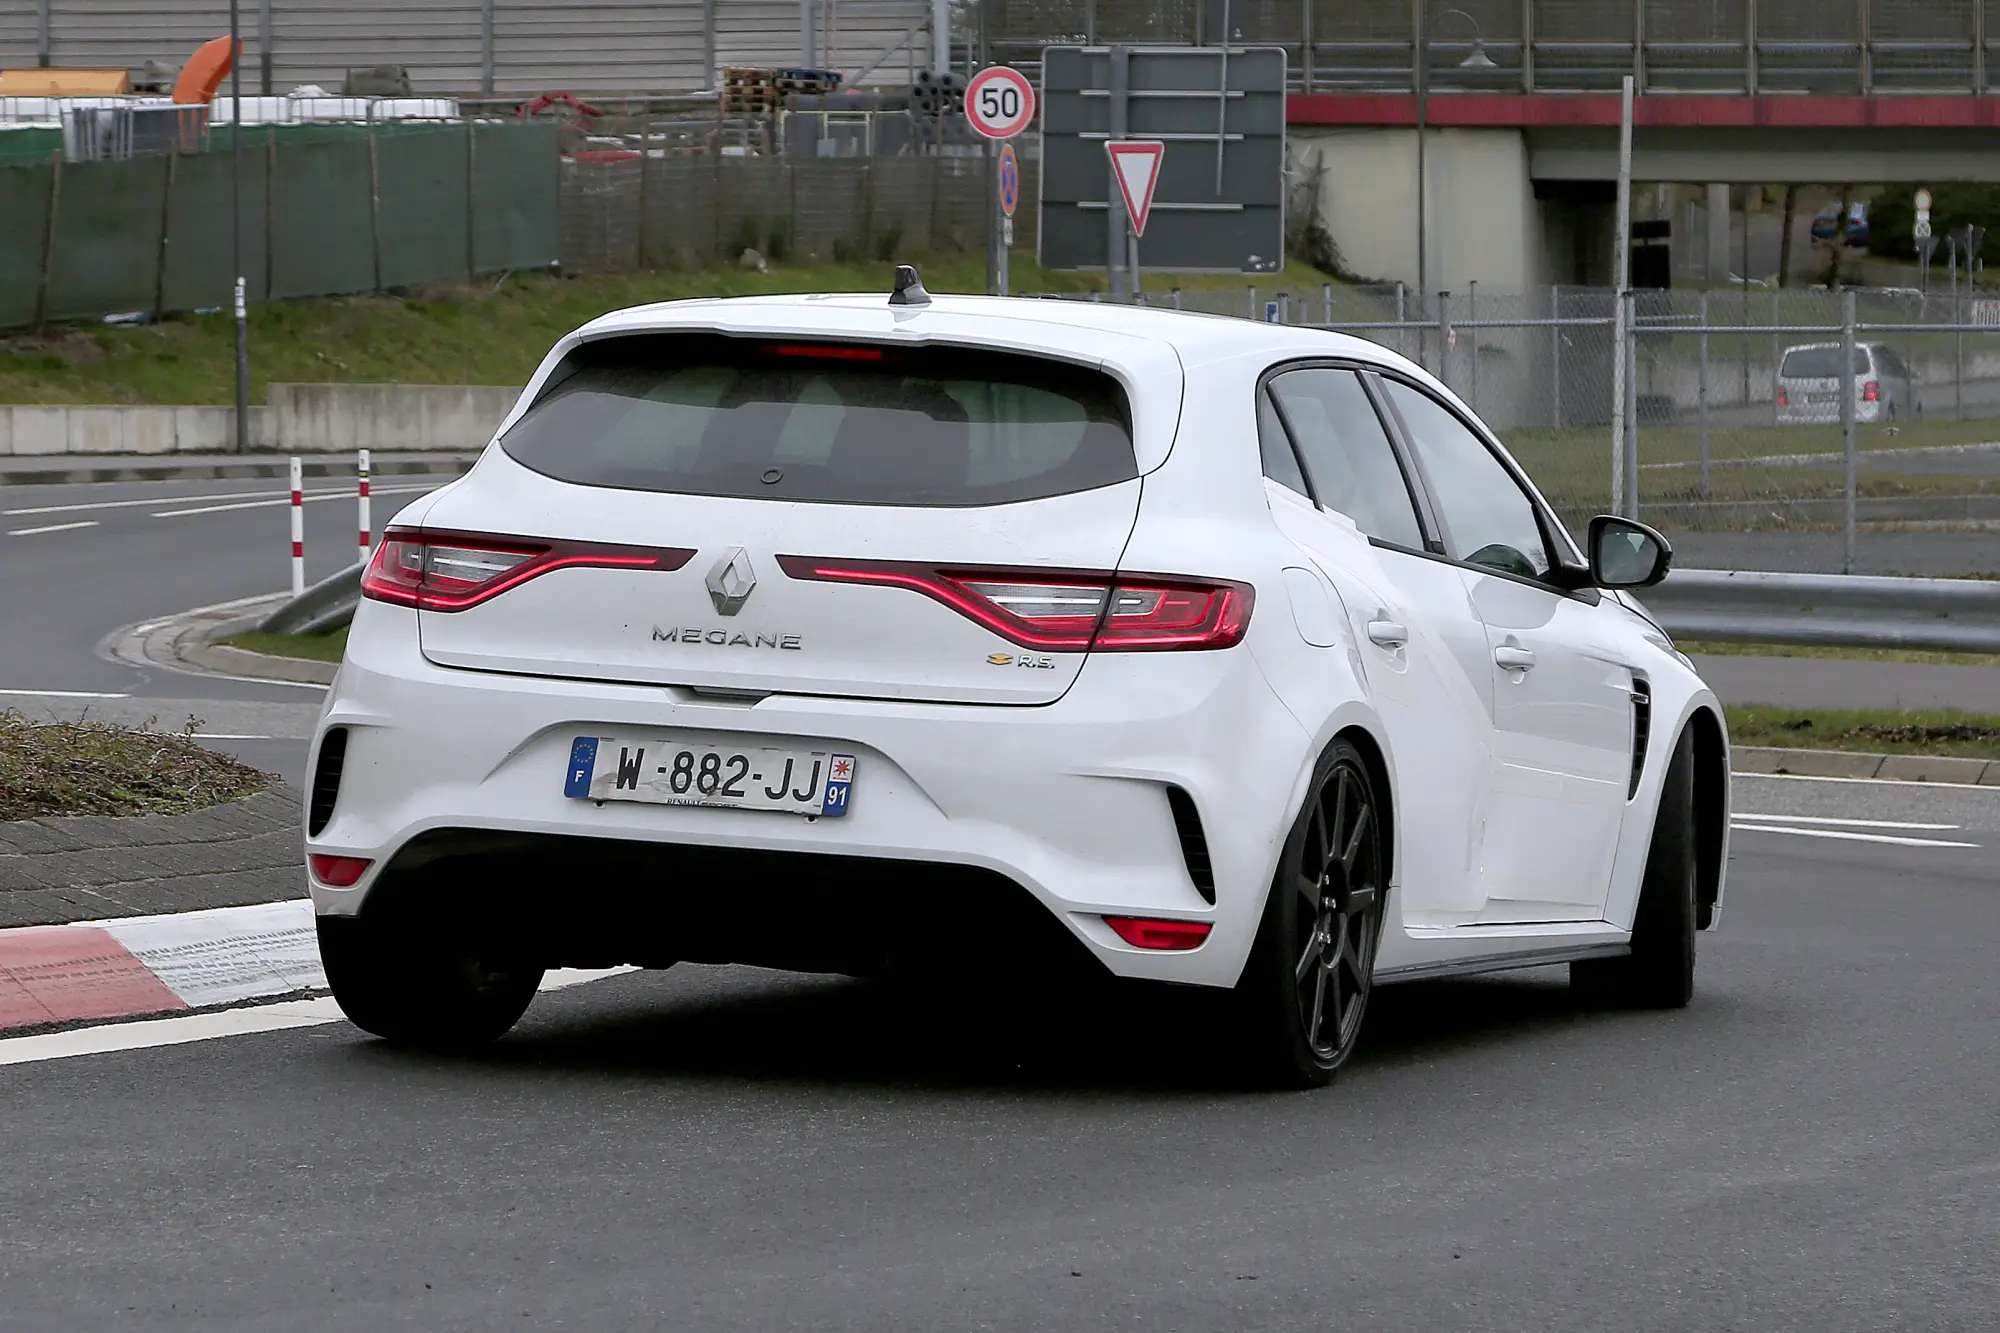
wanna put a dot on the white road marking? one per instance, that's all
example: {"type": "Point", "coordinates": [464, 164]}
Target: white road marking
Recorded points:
{"type": "Point", "coordinates": [60, 694]}
{"type": "Point", "coordinates": [146, 1034]}
{"type": "Point", "coordinates": [156, 499]}
{"type": "Point", "coordinates": [285, 500]}
{"type": "Point", "coordinates": [1878, 782]}
{"type": "Point", "coordinates": [1851, 823]}
{"type": "Point", "coordinates": [1846, 836]}
{"type": "Point", "coordinates": [230, 736]}
{"type": "Point", "coordinates": [53, 527]}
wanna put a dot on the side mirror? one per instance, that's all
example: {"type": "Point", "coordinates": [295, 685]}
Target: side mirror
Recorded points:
{"type": "Point", "coordinates": [1625, 554]}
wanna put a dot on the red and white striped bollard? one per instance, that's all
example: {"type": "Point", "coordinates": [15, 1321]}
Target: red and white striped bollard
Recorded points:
{"type": "Point", "coordinates": [298, 529]}
{"type": "Point", "coordinates": [366, 532]}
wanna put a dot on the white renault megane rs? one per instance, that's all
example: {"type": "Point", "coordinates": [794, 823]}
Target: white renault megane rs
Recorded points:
{"type": "Point", "coordinates": [849, 634]}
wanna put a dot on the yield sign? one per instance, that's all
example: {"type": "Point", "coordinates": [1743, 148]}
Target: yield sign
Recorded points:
{"type": "Point", "coordinates": [1136, 163]}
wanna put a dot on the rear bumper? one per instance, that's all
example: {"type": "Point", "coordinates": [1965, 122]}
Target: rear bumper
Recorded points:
{"type": "Point", "coordinates": [1065, 802]}
{"type": "Point", "coordinates": [1828, 414]}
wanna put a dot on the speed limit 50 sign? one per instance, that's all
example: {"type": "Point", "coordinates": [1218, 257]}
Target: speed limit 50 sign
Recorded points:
{"type": "Point", "coordinates": [999, 102]}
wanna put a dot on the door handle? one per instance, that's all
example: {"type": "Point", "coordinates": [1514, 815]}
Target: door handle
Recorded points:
{"type": "Point", "coordinates": [1388, 633]}
{"type": "Point", "coordinates": [1514, 659]}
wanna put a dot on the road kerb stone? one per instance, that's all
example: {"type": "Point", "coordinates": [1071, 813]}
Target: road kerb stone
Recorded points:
{"type": "Point", "coordinates": [1931, 768]}
{"type": "Point", "coordinates": [1804, 763]}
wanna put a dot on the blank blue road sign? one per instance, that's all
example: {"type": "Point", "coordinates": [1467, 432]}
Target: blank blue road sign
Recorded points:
{"type": "Point", "coordinates": [1010, 180]}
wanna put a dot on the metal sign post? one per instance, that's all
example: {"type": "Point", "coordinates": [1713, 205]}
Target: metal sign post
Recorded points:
{"type": "Point", "coordinates": [999, 104]}
{"type": "Point", "coordinates": [1010, 198]}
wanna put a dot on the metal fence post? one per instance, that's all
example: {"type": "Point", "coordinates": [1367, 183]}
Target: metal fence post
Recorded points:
{"type": "Point", "coordinates": [1326, 289]}
{"type": "Point", "coordinates": [1632, 401]}
{"type": "Point", "coordinates": [1958, 352]}
{"type": "Point", "coordinates": [49, 234]}
{"type": "Point", "coordinates": [1620, 336]}
{"type": "Point", "coordinates": [1444, 338]}
{"type": "Point", "coordinates": [1556, 355]}
{"type": "Point", "coordinates": [1472, 332]}
{"type": "Point", "coordinates": [1701, 394]}
{"type": "Point", "coordinates": [1255, 313]}
{"type": "Point", "coordinates": [1402, 313]}
{"type": "Point", "coordinates": [1847, 429]}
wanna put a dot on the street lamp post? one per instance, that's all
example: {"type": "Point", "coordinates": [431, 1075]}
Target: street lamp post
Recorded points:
{"type": "Point", "coordinates": [1478, 60]}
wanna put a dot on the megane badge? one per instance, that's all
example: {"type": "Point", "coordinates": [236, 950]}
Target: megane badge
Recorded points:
{"type": "Point", "coordinates": [731, 582]}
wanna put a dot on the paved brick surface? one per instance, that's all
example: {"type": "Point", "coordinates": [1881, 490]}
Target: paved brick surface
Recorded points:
{"type": "Point", "coordinates": [93, 868]}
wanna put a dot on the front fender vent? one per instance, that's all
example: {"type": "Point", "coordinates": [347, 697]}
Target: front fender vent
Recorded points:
{"type": "Point", "coordinates": [1642, 727]}
{"type": "Point", "coordinates": [1194, 842]}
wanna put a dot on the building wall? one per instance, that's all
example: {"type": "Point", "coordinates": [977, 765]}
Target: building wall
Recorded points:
{"type": "Point", "coordinates": [1484, 222]}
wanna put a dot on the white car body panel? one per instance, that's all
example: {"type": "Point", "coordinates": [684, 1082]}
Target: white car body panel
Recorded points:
{"type": "Point", "coordinates": [1515, 843]}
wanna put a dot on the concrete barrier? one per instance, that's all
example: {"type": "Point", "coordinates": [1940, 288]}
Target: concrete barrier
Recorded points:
{"type": "Point", "coordinates": [300, 418]}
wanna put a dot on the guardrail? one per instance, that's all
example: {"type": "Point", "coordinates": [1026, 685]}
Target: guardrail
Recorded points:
{"type": "Point", "coordinates": [1833, 610]}
{"type": "Point", "coordinates": [327, 605]}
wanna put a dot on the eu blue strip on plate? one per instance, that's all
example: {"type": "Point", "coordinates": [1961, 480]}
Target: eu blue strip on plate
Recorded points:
{"type": "Point", "coordinates": [839, 777]}
{"type": "Point", "coordinates": [582, 759]}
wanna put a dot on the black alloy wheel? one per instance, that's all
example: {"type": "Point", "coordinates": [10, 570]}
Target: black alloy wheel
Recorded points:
{"type": "Point", "coordinates": [1312, 968]}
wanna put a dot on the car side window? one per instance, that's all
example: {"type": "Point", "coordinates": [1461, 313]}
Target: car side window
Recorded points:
{"type": "Point", "coordinates": [1281, 464]}
{"type": "Point", "coordinates": [1488, 518]}
{"type": "Point", "coordinates": [1349, 461]}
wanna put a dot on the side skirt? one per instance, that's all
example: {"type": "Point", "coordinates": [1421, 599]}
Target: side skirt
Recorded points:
{"type": "Point", "coordinates": [1499, 962]}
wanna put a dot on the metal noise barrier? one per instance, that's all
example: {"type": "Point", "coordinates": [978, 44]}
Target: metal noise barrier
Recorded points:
{"type": "Point", "coordinates": [1836, 610]}
{"type": "Point", "coordinates": [327, 605]}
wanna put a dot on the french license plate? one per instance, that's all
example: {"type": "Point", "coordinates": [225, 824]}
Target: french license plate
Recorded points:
{"type": "Point", "coordinates": [674, 770]}
{"type": "Point", "coordinates": [1821, 397]}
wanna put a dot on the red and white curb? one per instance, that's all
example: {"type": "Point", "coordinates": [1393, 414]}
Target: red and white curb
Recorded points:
{"type": "Point", "coordinates": [157, 964]}
{"type": "Point", "coordinates": [138, 967]}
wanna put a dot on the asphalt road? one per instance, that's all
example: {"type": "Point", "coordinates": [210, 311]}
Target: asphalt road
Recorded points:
{"type": "Point", "coordinates": [1813, 1145]}
{"type": "Point", "coordinates": [80, 563]}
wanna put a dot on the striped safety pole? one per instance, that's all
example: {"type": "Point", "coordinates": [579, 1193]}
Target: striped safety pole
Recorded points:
{"type": "Point", "coordinates": [298, 530]}
{"type": "Point", "coordinates": [365, 530]}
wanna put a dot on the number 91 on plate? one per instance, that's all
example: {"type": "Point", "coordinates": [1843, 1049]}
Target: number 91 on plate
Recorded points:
{"type": "Point", "coordinates": [676, 770]}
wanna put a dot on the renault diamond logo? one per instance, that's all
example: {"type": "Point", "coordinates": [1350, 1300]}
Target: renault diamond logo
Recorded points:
{"type": "Point", "coordinates": [731, 582]}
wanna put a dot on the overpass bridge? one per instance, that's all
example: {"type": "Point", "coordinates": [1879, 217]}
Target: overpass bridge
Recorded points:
{"type": "Point", "coordinates": [1519, 186]}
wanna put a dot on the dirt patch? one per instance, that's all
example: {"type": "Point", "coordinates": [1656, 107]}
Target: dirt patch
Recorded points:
{"type": "Point", "coordinates": [1921, 734]}
{"type": "Point", "coordinates": [95, 768]}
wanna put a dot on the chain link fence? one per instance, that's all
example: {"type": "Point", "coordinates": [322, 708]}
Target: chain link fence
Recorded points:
{"type": "Point", "coordinates": [1732, 428]}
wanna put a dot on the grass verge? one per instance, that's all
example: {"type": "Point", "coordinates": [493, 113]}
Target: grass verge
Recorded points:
{"type": "Point", "coordinates": [1946, 732]}
{"type": "Point", "coordinates": [494, 332]}
{"type": "Point", "coordinates": [1695, 648]}
{"type": "Point", "coordinates": [95, 768]}
{"type": "Point", "coordinates": [326, 647]}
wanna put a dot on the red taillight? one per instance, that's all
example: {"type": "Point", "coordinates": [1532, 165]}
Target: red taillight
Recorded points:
{"type": "Point", "coordinates": [824, 351]}
{"type": "Point", "coordinates": [1871, 392]}
{"type": "Point", "coordinates": [1783, 400]}
{"type": "Point", "coordinates": [449, 571]}
{"type": "Point", "coordinates": [1063, 610]}
{"type": "Point", "coordinates": [1142, 933]}
{"type": "Point", "coordinates": [338, 872]}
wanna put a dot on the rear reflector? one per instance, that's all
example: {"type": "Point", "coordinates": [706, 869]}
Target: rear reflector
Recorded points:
{"type": "Point", "coordinates": [338, 872]}
{"type": "Point", "coordinates": [1141, 933]}
{"type": "Point", "coordinates": [1063, 610]}
{"type": "Point", "coordinates": [450, 571]}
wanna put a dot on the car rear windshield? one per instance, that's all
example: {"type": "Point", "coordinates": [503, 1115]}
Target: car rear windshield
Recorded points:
{"type": "Point", "coordinates": [1820, 363]}
{"type": "Point", "coordinates": [857, 423]}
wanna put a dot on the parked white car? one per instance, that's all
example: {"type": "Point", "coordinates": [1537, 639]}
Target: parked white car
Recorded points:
{"type": "Point", "coordinates": [1809, 385]}
{"type": "Point", "coordinates": [982, 640]}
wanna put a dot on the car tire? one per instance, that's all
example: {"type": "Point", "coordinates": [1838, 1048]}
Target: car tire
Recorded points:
{"type": "Point", "coordinates": [1659, 972]}
{"type": "Point", "coordinates": [1304, 991]}
{"type": "Point", "coordinates": [411, 983]}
